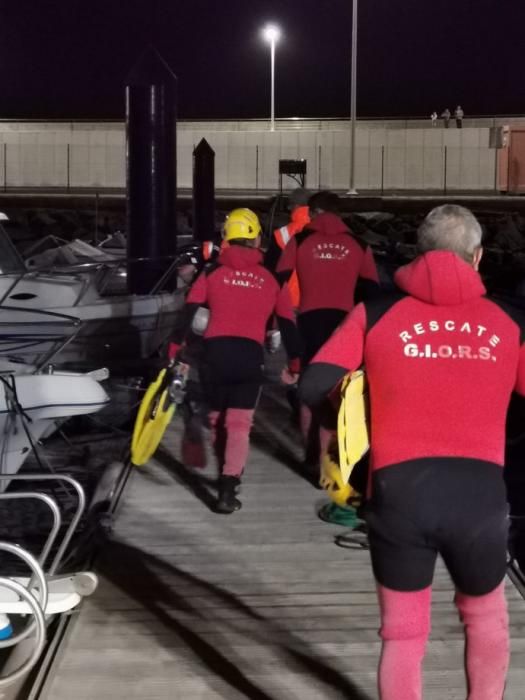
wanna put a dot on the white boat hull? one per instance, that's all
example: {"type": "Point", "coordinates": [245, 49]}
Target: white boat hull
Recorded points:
{"type": "Point", "coordinates": [81, 315]}
{"type": "Point", "coordinates": [39, 401]}
{"type": "Point", "coordinates": [106, 332]}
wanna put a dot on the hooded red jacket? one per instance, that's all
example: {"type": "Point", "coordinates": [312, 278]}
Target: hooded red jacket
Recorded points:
{"type": "Point", "coordinates": [242, 296]}
{"type": "Point", "coordinates": [442, 362]}
{"type": "Point", "coordinates": [329, 261]}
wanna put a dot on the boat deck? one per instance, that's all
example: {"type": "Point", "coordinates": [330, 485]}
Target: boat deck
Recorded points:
{"type": "Point", "coordinates": [260, 605]}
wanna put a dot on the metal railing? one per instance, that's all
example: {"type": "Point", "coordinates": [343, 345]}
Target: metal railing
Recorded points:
{"type": "Point", "coordinates": [41, 576]}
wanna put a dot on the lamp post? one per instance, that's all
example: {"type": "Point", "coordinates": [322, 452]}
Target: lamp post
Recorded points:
{"type": "Point", "coordinates": [272, 34]}
{"type": "Point", "coordinates": [353, 107]}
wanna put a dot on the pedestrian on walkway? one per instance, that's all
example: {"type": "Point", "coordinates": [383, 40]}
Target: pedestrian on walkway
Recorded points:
{"type": "Point", "coordinates": [434, 118]}
{"type": "Point", "coordinates": [442, 361]}
{"type": "Point", "coordinates": [458, 115]}
{"type": "Point", "coordinates": [242, 297]}
{"type": "Point", "coordinates": [332, 267]}
{"type": "Point", "coordinates": [445, 115]}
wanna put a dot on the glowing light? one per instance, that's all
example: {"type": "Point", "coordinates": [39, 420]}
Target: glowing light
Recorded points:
{"type": "Point", "coordinates": [271, 33]}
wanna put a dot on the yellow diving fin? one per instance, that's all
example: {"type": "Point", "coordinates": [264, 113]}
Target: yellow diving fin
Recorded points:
{"type": "Point", "coordinates": [340, 492]}
{"type": "Point", "coordinates": [154, 415]}
{"type": "Point", "coordinates": [352, 426]}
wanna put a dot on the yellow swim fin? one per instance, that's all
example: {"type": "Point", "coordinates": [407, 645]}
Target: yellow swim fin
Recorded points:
{"type": "Point", "coordinates": [154, 415]}
{"type": "Point", "coordinates": [352, 426]}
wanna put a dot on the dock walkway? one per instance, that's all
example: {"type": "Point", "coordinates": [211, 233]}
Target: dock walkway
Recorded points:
{"type": "Point", "coordinates": [259, 605]}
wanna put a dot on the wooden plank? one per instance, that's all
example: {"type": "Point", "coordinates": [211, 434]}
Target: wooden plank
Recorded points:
{"type": "Point", "coordinates": [260, 604]}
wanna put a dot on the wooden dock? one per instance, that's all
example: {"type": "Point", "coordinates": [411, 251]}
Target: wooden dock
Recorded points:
{"type": "Point", "coordinates": [260, 604]}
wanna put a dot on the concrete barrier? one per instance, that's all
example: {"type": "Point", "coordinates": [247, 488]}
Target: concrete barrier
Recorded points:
{"type": "Point", "coordinates": [391, 155]}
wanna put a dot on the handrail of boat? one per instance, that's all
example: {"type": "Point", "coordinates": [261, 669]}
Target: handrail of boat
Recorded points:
{"type": "Point", "coordinates": [94, 264]}
{"type": "Point", "coordinates": [55, 513]}
{"type": "Point", "coordinates": [61, 342]}
{"type": "Point", "coordinates": [70, 531]}
{"type": "Point", "coordinates": [74, 320]}
{"type": "Point", "coordinates": [37, 578]}
{"type": "Point", "coordinates": [75, 270]}
{"type": "Point", "coordinates": [40, 636]}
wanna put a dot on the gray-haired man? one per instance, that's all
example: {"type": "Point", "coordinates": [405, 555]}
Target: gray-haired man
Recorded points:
{"type": "Point", "coordinates": [442, 361]}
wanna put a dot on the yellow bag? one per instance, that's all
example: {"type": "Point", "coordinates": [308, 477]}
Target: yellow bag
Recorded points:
{"type": "Point", "coordinates": [154, 415]}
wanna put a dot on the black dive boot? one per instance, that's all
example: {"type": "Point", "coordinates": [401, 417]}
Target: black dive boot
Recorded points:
{"type": "Point", "coordinates": [228, 503]}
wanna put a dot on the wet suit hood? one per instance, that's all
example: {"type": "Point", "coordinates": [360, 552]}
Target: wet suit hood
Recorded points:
{"type": "Point", "coordinates": [440, 277]}
{"type": "Point", "coordinates": [328, 224]}
{"type": "Point", "coordinates": [240, 258]}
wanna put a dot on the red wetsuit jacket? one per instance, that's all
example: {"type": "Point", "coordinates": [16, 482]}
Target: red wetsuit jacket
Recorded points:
{"type": "Point", "coordinates": [329, 263]}
{"type": "Point", "coordinates": [242, 296]}
{"type": "Point", "coordinates": [442, 361]}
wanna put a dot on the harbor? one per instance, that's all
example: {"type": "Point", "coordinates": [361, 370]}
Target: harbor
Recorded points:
{"type": "Point", "coordinates": [230, 468]}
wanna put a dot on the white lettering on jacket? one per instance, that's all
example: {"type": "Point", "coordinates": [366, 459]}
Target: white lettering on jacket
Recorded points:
{"type": "Point", "coordinates": [330, 251]}
{"type": "Point", "coordinates": [447, 352]}
{"type": "Point", "coordinates": [241, 278]}
{"type": "Point", "coordinates": [459, 331]}
{"type": "Point", "coordinates": [450, 326]}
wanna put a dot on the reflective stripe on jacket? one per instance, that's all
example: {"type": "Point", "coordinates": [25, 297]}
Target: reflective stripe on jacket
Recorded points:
{"type": "Point", "coordinates": [299, 219]}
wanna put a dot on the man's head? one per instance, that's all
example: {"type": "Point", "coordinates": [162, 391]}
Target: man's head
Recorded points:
{"type": "Point", "coordinates": [454, 228]}
{"type": "Point", "coordinates": [298, 198]}
{"type": "Point", "coordinates": [324, 201]}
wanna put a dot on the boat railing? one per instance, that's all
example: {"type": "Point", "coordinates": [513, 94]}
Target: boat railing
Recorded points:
{"type": "Point", "coordinates": [44, 593]}
{"type": "Point", "coordinates": [20, 332]}
{"type": "Point", "coordinates": [84, 272]}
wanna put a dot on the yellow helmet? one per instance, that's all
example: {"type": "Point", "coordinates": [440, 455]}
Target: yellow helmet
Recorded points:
{"type": "Point", "coordinates": [341, 493]}
{"type": "Point", "coordinates": [241, 223]}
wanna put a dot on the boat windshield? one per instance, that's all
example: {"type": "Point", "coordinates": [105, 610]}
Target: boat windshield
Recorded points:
{"type": "Point", "coordinates": [10, 260]}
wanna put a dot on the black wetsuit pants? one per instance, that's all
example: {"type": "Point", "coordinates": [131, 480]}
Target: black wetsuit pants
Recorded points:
{"type": "Point", "coordinates": [232, 372]}
{"type": "Point", "coordinates": [450, 506]}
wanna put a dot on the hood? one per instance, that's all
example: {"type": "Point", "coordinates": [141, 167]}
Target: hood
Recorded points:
{"type": "Point", "coordinates": [328, 224]}
{"type": "Point", "coordinates": [300, 216]}
{"type": "Point", "coordinates": [240, 258]}
{"type": "Point", "coordinates": [441, 278]}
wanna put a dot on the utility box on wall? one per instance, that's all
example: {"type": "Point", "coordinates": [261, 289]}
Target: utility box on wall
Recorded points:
{"type": "Point", "coordinates": [296, 169]}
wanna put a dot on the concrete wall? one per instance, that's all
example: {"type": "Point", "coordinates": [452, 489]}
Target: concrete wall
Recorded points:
{"type": "Point", "coordinates": [390, 154]}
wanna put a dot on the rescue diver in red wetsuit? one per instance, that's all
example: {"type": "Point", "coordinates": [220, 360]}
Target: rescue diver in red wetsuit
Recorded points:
{"type": "Point", "coordinates": [332, 268]}
{"type": "Point", "coordinates": [242, 296]}
{"type": "Point", "coordinates": [442, 361]}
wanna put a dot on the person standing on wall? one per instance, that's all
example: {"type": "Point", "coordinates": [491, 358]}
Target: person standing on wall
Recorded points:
{"type": "Point", "coordinates": [442, 361]}
{"type": "Point", "coordinates": [445, 115]}
{"type": "Point", "coordinates": [458, 116]}
{"type": "Point", "coordinates": [332, 267]}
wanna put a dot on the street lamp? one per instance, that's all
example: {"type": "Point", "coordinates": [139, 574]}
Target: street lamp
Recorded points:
{"type": "Point", "coordinates": [272, 34]}
{"type": "Point", "coordinates": [353, 108]}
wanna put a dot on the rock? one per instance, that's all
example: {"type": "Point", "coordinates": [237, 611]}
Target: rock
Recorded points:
{"type": "Point", "coordinates": [509, 236]}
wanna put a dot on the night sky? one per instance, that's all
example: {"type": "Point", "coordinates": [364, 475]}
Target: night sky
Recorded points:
{"type": "Point", "coordinates": [70, 58]}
